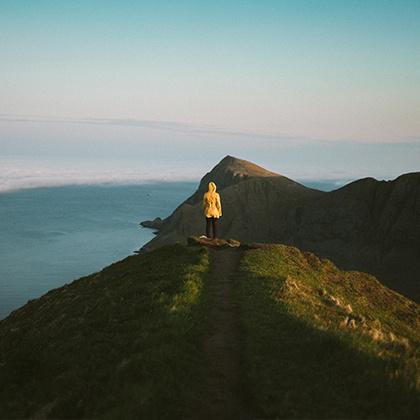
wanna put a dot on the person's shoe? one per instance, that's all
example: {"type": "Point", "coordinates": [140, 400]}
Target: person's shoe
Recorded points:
{"type": "Point", "coordinates": [203, 237]}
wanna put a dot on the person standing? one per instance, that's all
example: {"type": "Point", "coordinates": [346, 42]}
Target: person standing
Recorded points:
{"type": "Point", "coordinates": [212, 208]}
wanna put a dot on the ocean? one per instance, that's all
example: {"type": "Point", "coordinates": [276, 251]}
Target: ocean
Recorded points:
{"type": "Point", "coordinates": [53, 235]}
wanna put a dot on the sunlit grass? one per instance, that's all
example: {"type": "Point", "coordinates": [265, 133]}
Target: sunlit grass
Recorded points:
{"type": "Point", "coordinates": [122, 343]}
{"type": "Point", "coordinates": [320, 342]}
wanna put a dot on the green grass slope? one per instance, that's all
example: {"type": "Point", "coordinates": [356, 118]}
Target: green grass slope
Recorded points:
{"type": "Point", "coordinates": [324, 343]}
{"type": "Point", "coordinates": [127, 342]}
{"type": "Point", "coordinates": [118, 344]}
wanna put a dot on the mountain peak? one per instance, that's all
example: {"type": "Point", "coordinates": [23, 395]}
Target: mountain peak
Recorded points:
{"type": "Point", "coordinates": [229, 171]}
{"type": "Point", "coordinates": [241, 167]}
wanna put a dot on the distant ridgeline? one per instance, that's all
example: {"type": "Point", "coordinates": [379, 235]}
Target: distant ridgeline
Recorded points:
{"type": "Point", "coordinates": [126, 342]}
{"type": "Point", "coordinates": [367, 225]}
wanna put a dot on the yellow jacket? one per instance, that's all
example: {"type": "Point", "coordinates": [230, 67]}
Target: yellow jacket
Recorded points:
{"type": "Point", "coordinates": [211, 202]}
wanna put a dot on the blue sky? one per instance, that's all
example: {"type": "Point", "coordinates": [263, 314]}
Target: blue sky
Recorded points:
{"type": "Point", "coordinates": [173, 81]}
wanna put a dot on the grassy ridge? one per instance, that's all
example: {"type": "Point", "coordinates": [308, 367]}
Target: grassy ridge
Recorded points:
{"type": "Point", "coordinates": [121, 343]}
{"type": "Point", "coordinates": [125, 343]}
{"type": "Point", "coordinates": [320, 342]}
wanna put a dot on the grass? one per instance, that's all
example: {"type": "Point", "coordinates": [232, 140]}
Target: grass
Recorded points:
{"type": "Point", "coordinates": [126, 342]}
{"type": "Point", "coordinates": [322, 343]}
{"type": "Point", "coordinates": [119, 344]}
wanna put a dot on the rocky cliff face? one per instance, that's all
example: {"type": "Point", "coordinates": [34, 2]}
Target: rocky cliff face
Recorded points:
{"type": "Point", "coordinates": [367, 225]}
{"type": "Point", "coordinates": [254, 201]}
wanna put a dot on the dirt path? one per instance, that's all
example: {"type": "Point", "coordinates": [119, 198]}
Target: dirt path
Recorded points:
{"type": "Point", "coordinates": [222, 343]}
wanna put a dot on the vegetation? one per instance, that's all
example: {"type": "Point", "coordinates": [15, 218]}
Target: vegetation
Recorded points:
{"type": "Point", "coordinates": [121, 343]}
{"type": "Point", "coordinates": [323, 343]}
{"type": "Point", "coordinates": [127, 342]}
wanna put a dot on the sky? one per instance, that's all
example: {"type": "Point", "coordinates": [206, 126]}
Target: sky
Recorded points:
{"type": "Point", "coordinates": [311, 89]}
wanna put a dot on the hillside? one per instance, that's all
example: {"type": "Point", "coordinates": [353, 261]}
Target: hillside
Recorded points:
{"type": "Point", "coordinates": [254, 202]}
{"type": "Point", "coordinates": [321, 342]}
{"type": "Point", "coordinates": [228, 331]}
{"type": "Point", "coordinates": [120, 343]}
{"type": "Point", "coordinates": [367, 225]}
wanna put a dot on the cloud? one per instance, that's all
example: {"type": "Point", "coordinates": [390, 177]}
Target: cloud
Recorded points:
{"type": "Point", "coordinates": [22, 173]}
{"type": "Point", "coordinates": [189, 128]}
{"type": "Point", "coordinates": [172, 126]}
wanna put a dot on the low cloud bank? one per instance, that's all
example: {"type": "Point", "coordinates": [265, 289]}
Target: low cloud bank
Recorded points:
{"type": "Point", "coordinates": [17, 174]}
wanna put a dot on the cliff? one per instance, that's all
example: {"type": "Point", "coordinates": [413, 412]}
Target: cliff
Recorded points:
{"type": "Point", "coordinates": [367, 225]}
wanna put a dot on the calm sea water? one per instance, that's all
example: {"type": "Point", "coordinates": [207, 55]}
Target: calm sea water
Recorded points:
{"type": "Point", "coordinates": [51, 236]}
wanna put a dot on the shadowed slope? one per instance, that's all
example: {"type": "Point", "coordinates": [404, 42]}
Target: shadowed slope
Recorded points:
{"type": "Point", "coordinates": [368, 225]}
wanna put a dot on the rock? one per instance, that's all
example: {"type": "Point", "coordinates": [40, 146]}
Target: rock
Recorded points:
{"type": "Point", "coordinates": [213, 243]}
{"type": "Point", "coordinates": [352, 323]}
{"type": "Point", "coordinates": [348, 322]}
{"type": "Point", "coordinates": [332, 300]}
{"type": "Point", "coordinates": [156, 223]}
{"type": "Point", "coordinates": [376, 334]}
{"type": "Point", "coordinates": [291, 283]}
{"type": "Point", "coordinates": [233, 243]}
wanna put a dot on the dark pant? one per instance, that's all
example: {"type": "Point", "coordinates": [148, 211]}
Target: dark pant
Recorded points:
{"type": "Point", "coordinates": [211, 221]}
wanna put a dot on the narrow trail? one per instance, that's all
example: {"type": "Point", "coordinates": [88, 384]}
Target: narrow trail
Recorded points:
{"type": "Point", "coordinates": [222, 343]}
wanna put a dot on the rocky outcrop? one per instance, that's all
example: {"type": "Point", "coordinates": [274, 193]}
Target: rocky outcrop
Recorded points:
{"type": "Point", "coordinates": [367, 225]}
{"type": "Point", "coordinates": [213, 243]}
{"type": "Point", "coordinates": [156, 223]}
